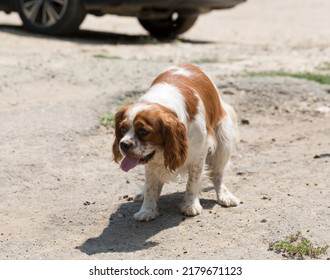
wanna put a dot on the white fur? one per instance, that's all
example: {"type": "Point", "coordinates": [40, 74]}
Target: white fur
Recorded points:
{"type": "Point", "coordinates": [183, 72]}
{"type": "Point", "coordinates": [168, 96]}
{"type": "Point", "coordinates": [179, 71]}
{"type": "Point", "coordinates": [135, 110]}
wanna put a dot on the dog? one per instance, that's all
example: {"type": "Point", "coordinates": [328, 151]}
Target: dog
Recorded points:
{"type": "Point", "coordinates": [179, 125]}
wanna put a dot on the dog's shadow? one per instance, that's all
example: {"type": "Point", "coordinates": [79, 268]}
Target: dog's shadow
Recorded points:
{"type": "Point", "coordinates": [83, 36]}
{"type": "Point", "coordinates": [124, 234]}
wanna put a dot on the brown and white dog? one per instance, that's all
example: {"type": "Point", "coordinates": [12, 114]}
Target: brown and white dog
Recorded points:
{"type": "Point", "coordinates": [180, 124]}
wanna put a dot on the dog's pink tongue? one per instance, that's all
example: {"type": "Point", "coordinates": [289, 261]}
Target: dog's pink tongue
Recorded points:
{"type": "Point", "coordinates": [128, 163]}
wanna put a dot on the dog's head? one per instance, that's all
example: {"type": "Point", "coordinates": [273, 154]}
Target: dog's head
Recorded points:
{"type": "Point", "coordinates": [146, 131]}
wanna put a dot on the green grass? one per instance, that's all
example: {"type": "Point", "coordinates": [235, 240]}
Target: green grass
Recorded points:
{"type": "Point", "coordinates": [296, 246]}
{"type": "Point", "coordinates": [319, 78]}
{"type": "Point", "coordinates": [108, 120]}
{"type": "Point", "coordinates": [103, 56]}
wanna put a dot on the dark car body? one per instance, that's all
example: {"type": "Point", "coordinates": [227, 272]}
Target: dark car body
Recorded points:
{"type": "Point", "coordinates": [127, 7]}
{"type": "Point", "coordinates": [155, 15]}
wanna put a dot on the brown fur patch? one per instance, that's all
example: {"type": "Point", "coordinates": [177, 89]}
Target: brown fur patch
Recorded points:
{"type": "Point", "coordinates": [198, 83]}
{"type": "Point", "coordinates": [119, 117]}
{"type": "Point", "coordinates": [150, 120]}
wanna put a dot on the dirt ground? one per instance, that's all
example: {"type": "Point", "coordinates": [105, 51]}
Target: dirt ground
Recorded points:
{"type": "Point", "coordinates": [62, 196]}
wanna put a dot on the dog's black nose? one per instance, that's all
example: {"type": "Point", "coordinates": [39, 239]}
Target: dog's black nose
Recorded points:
{"type": "Point", "coordinates": [125, 146]}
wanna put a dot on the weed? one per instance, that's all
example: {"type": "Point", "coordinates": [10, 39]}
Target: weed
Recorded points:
{"type": "Point", "coordinates": [325, 66]}
{"type": "Point", "coordinates": [103, 56]}
{"type": "Point", "coordinates": [322, 79]}
{"type": "Point", "coordinates": [296, 246]}
{"type": "Point", "coordinates": [108, 120]}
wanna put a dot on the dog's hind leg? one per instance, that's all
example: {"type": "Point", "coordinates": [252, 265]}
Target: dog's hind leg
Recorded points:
{"type": "Point", "coordinates": [191, 205]}
{"type": "Point", "coordinates": [224, 196]}
{"type": "Point", "coordinates": [227, 134]}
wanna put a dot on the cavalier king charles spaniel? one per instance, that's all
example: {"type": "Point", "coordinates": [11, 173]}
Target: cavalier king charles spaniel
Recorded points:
{"type": "Point", "coordinates": [180, 124]}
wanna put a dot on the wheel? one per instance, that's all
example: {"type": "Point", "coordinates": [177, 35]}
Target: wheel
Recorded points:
{"type": "Point", "coordinates": [56, 17]}
{"type": "Point", "coordinates": [169, 27]}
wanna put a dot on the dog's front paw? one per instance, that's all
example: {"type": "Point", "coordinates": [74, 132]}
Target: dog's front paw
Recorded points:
{"type": "Point", "coordinates": [146, 215]}
{"type": "Point", "coordinates": [191, 209]}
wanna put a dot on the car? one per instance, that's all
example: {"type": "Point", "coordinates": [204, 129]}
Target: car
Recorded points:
{"type": "Point", "coordinates": [161, 18]}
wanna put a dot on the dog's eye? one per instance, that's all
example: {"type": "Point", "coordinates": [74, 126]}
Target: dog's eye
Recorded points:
{"type": "Point", "coordinates": [123, 130]}
{"type": "Point", "coordinates": [143, 132]}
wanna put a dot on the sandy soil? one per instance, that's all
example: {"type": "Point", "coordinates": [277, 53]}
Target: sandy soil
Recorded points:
{"type": "Point", "coordinates": [62, 197]}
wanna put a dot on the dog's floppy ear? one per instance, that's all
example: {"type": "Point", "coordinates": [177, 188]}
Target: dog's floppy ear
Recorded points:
{"type": "Point", "coordinates": [119, 117]}
{"type": "Point", "coordinates": [175, 143]}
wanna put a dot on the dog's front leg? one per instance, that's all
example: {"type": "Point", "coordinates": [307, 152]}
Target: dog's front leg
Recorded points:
{"type": "Point", "coordinates": [191, 205]}
{"type": "Point", "coordinates": [152, 189]}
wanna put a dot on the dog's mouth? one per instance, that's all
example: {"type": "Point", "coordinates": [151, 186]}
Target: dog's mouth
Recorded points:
{"type": "Point", "coordinates": [129, 163]}
{"type": "Point", "coordinates": [147, 158]}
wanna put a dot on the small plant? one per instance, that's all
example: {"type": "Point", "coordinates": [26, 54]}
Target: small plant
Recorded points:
{"type": "Point", "coordinates": [296, 246]}
{"type": "Point", "coordinates": [325, 66]}
{"type": "Point", "coordinates": [108, 120]}
{"type": "Point", "coordinates": [321, 79]}
{"type": "Point", "coordinates": [103, 56]}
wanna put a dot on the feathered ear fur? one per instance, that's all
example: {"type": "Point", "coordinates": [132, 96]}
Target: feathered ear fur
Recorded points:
{"type": "Point", "coordinates": [175, 143]}
{"type": "Point", "coordinates": [119, 117]}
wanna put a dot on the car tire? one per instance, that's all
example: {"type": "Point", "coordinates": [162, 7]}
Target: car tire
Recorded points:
{"type": "Point", "coordinates": [52, 17]}
{"type": "Point", "coordinates": [169, 27]}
